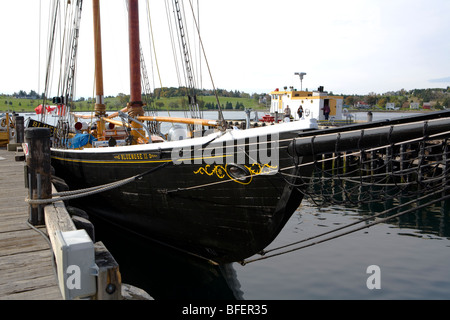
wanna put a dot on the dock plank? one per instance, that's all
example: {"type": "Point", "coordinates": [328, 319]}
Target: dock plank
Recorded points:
{"type": "Point", "coordinates": [26, 267]}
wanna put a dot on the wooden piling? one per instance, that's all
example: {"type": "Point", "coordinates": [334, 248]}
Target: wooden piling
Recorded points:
{"type": "Point", "coordinates": [38, 173]}
{"type": "Point", "coordinates": [20, 129]}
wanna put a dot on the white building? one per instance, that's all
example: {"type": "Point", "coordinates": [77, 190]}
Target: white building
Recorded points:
{"type": "Point", "coordinates": [312, 102]}
{"type": "Point", "coordinates": [391, 106]}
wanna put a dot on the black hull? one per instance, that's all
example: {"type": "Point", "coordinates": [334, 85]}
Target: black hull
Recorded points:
{"type": "Point", "coordinates": [193, 206]}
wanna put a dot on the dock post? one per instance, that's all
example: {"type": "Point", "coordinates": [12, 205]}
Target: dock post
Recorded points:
{"type": "Point", "coordinates": [37, 171]}
{"type": "Point", "coordinates": [16, 135]}
{"type": "Point", "coordinates": [20, 131]}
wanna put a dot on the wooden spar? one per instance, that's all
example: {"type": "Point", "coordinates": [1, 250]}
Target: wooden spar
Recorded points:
{"type": "Point", "coordinates": [115, 114]}
{"type": "Point", "coordinates": [135, 105]}
{"type": "Point", "coordinates": [117, 122]}
{"type": "Point", "coordinates": [202, 122]}
{"type": "Point", "coordinates": [100, 108]}
{"type": "Point", "coordinates": [83, 116]}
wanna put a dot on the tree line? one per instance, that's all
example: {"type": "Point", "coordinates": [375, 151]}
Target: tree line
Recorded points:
{"type": "Point", "coordinates": [171, 92]}
{"type": "Point", "coordinates": [402, 98]}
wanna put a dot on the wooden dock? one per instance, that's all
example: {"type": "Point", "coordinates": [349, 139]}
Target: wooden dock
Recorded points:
{"type": "Point", "coordinates": [26, 258]}
{"type": "Point", "coordinates": [34, 258]}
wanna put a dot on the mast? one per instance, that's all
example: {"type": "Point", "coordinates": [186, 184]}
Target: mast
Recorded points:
{"type": "Point", "coordinates": [135, 106]}
{"type": "Point", "coordinates": [100, 109]}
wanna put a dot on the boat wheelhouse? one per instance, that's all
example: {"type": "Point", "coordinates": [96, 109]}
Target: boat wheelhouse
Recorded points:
{"type": "Point", "coordinates": [312, 102]}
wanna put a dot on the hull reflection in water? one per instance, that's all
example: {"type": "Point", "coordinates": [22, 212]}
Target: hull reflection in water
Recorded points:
{"type": "Point", "coordinates": [165, 273]}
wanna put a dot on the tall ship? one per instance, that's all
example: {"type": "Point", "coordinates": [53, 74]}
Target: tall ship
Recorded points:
{"type": "Point", "coordinates": [205, 188]}
{"type": "Point", "coordinates": [219, 193]}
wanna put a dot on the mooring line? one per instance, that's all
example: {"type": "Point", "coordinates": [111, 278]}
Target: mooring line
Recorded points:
{"type": "Point", "coordinates": [68, 195]}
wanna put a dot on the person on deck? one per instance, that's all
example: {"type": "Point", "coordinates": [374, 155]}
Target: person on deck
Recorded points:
{"type": "Point", "coordinates": [326, 111]}
{"type": "Point", "coordinates": [287, 114]}
{"type": "Point", "coordinates": [300, 112]}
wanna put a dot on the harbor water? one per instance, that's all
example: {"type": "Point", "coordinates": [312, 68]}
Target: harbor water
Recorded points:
{"type": "Point", "coordinates": [411, 256]}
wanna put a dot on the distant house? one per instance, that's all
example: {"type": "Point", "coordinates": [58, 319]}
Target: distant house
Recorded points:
{"type": "Point", "coordinates": [362, 105]}
{"type": "Point", "coordinates": [262, 100]}
{"type": "Point", "coordinates": [427, 105]}
{"type": "Point", "coordinates": [27, 97]}
{"type": "Point", "coordinates": [414, 105]}
{"type": "Point", "coordinates": [391, 106]}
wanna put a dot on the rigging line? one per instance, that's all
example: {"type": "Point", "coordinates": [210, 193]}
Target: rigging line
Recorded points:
{"type": "Point", "coordinates": [182, 22]}
{"type": "Point", "coordinates": [72, 52]}
{"type": "Point", "coordinates": [150, 34]}
{"type": "Point", "coordinates": [281, 169]}
{"type": "Point", "coordinates": [149, 20]}
{"type": "Point", "coordinates": [65, 47]}
{"type": "Point", "coordinates": [169, 23]}
{"type": "Point", "coordinates": [199, 47]}
{"type": "Point", "coordinates": [221, 117]}
{"type": "Point", "coordinates": [94, 190]}
{"type": "Point", "coordinates": [186, 57]}
{"type": "Point", "coordinates": [152, 62]}
{"type": "Point", "coordinates": [47, 56]}
{"type": "Point", "coordinates": [195, 56]}
{"type": "Point", "coordinates": [230, 180]}
{"type": "Point", "coordinates": [245, 262]}
{"type": "Point", "coordinates": [444, 134]}
{"type": "Point", "coordinates": [178, 38]}
{"type": "Point", "coordinates": [377, 184]}
{"type": "Point", "coordinates": [191, 59]}
{"type": "Point", "coordinates": [378, 195]}
{"type": "Point", "coordinates": [441, 135]}
{"type": "Point", "coordinates": [62, 41]}
{"type": "Point", "coordinates": [333, 178]}
{"type": "Point", "coordinates": [401, 173]}
{"type": "Point", "coordinates": [372, 196]}
{"type": "Point", "coordinates": [346, 226]}
{"type": "Point", "coordinates": [53, 13]}
{"type": "Point", "coordinates": [47, 239]}
{"type": "Point", "coordinates": [241, 143]}
{"type": "Point", "coordinates": [182, 49]}
{"type": "Point", "coordinates": [397, 172]}
{"type": "Point", "coordinates": [39, 48]}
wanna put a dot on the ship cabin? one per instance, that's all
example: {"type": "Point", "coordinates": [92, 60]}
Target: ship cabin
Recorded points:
{"type": "Point", "coordinates": [313, 103]}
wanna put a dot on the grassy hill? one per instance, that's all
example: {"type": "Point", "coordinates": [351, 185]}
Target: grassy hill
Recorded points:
{"type": "Point", "coordinates": [9, 103]}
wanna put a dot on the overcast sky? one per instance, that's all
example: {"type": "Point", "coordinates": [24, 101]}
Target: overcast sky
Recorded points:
{"type": "Point", "coordinates": [347, 46]}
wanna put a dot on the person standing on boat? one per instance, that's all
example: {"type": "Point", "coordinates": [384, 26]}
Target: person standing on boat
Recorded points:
{"type": "Point", "coordinates": [326, 111]}
{"type": "Point", "coordinates": [287, 114]}
{"type": "Point", "coordinates": [300, 112]}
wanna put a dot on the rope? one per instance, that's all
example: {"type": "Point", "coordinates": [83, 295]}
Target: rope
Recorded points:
{"type": "Point", "coordinates": [245, 262]}
{"type": "Point", "coordinates": [68, 195]}
{"type": "Point", "coordinates": [416, 171]}
{"type": "Point", "coordinates": [46, 238]}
